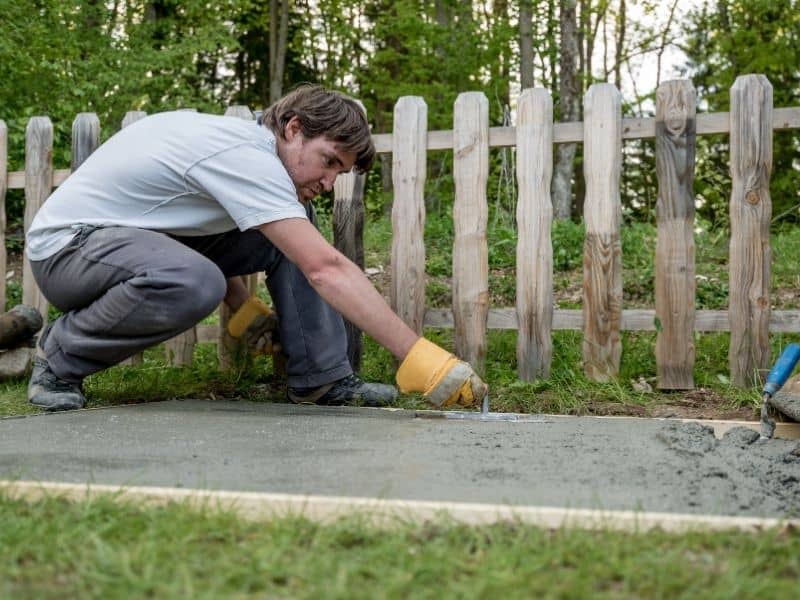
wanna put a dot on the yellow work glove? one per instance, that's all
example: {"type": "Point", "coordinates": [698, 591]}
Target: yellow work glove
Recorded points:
{"type": "Point", "coordinates": [443, 379]}
{"type": "Point", "coordinates": [256, 325]}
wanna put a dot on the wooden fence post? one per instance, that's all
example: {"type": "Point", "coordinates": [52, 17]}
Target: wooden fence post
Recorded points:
{"type": "Point", "coordinates": [179, 350]}
{"type": "Point", "coordinates": [131, 117]}
{"type": "Point", "coordinates": [675, 264]}
{"type": "Point", "coordinates": [348, 238]}
{"type": "Point", "coordinates": [534, 245]}
{"type": "Point", "coordinates": [229, 349]}
{"type": "Point", "coordinates": [751, 211]}
{"type": "Point", "coordinates": [470, 219]}
{"type": "Point", "coordinates": [38, 185]}
{"type": "Point", "coordinates": [3, 187]}
{"type": "Point", "coordinates": [85, 138]}
{"type": "Point", "coordinates": [602, 251]}
{"type": "Point", "coordinates": [409, 169]}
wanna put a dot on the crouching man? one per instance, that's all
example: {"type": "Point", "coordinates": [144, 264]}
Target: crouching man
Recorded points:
{"type": "Point", "coordinates": [159, 224]}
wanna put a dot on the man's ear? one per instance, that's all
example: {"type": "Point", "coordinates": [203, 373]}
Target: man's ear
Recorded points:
{"type": "Point", "coordinates": [292, 129]}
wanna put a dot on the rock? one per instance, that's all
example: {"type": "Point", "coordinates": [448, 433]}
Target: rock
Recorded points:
{"type": "Point", "coordinates": [15, 362]}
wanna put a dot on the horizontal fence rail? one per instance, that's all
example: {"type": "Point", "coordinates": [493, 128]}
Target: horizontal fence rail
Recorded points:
{"type": "Point", "coordinates": [602, 318]}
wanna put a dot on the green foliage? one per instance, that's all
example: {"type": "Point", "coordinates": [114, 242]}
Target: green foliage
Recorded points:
{"type": "Point", "coordinates": [567, 238]}
{"type": "Point", "coordinates": [727, 39]}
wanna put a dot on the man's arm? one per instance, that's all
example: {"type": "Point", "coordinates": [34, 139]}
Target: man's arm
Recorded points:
{"type": "Point", "coordinates": [341, 283]}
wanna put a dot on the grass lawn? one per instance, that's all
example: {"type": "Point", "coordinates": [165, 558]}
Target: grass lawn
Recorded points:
{"type": "Point", "coordinates": [107, 549]}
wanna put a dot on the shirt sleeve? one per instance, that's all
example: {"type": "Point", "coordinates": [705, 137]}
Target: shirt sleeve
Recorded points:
{"type": "Point", "coordinates": [249, 182]}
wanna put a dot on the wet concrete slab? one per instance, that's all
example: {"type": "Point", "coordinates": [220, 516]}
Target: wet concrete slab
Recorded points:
{"type": "Point", "coordinates": [580, 462]}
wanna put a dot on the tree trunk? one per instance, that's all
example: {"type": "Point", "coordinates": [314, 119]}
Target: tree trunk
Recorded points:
{"type": "Point", "coordinates": [619, 51]}
{"type": "Point", "coordinates": [570, 111]}
{"type": "Point", "coordinates": [278, 33]}
{"type": "Point", "coordinates": [526, 44]}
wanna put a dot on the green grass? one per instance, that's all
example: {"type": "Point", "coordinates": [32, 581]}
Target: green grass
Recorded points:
{"type": "Point", "coordinates": [109, 548]}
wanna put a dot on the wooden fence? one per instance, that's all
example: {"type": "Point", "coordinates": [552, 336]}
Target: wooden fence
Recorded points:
{"type": "Point", "coordinates": [750, 124]}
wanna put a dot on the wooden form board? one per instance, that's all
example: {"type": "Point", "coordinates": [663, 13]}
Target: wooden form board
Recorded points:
{"type": "Point", "coordinates": [388, 513]}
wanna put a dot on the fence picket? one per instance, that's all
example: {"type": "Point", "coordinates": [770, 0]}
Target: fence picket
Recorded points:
{"type": "Point", "coordinates": [602, 250]}
{"type": "Point", "coordinates": [131, 117]}
{"type": "Point", "coordinates": [534, 245]}
{"type": "Point", "coordinates": [3, 187]}
{"type": "Point", "coordinates": [408, 210]}
{"type": "Point", "coordinates": [751, 211]}
{"type": "Point", "coordinates": [675, 263]}
{"type": "Point", "coordinates": [38, 185]}
{"type": "Point", "coordinates": [470, 219]}
{"type": "Point", "coordinates": [85, 137]}
{"type": "Point", "coordinates": [348, 238]}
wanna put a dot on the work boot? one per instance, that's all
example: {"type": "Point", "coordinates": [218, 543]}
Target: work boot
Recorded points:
{"type": "Point", "coordinates": [46, 389]}
{"type": "Point", "coordinates": [349, 390]}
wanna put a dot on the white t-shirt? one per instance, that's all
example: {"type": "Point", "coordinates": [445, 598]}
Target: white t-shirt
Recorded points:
{"type": "Point", "coordinates": [182, 173]}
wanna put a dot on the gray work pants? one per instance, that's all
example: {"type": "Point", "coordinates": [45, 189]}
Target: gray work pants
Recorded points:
{"type": "Point", "coordinates": [125, 289]}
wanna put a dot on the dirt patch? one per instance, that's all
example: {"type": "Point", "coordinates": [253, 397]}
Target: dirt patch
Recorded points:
{"type": "Point", "coordinates": [702, 403]}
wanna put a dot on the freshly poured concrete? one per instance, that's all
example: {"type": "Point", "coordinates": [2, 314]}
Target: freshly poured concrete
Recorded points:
{"type": "Point", "coordinates": [608, 464]}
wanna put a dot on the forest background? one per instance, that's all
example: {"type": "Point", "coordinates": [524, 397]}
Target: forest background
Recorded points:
{"type": "Point", "coordinates": [63, 57]}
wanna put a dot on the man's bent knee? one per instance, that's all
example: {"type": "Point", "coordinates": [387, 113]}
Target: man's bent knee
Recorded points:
{"type": "Point", "coordinates": [203, 291]}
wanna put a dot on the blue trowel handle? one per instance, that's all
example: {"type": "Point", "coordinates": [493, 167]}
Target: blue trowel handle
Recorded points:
{"type": "Point", "coordinates": [782, 369]}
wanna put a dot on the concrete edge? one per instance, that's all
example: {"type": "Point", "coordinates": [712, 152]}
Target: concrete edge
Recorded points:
{"type": "Point", "coordinates": [387, 512]}
{"type": "Point", "coordinates": [783, 430]}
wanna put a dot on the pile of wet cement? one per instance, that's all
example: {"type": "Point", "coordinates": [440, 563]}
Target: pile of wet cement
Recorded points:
{"type": "Point", "coordinates": [753, 473]}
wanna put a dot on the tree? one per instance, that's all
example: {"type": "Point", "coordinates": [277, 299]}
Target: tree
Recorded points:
{"type": "Point", "coordinates": [728, 38]}
{"type": "Point", "coordinates": [569, 104]}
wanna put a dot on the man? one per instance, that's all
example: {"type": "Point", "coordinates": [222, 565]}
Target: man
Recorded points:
{"type": "Point", "coordinates": [157, 226]}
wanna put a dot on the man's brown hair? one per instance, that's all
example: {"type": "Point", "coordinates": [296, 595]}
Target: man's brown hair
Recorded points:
{"type": "Point", "coordinates": [325, 113]}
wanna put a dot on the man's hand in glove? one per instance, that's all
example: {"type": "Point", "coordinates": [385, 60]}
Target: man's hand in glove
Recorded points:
{"type": "Point", "coordinates": [256, 325]}
{"type": "Point", "coordinates": [443, 379]}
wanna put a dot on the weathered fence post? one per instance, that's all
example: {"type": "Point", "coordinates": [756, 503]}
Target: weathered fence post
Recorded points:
{"type": "Point", "coordinates": [85, 137]}
{"type": "Point", "coordinates": [131, 117]}
{"type": "Point", "coordinates": [470, 219]}
{"type": "Point", "coordinates": [229, 348]}
{"type": "Point", "coordinates": [38, 185]}
{"type": "Point", "coordinates": [751, 211]}
{"type": "Point", "coordinates": [180, 349]}
{"type": "Point", "coordinates": [409, 156]}
{"type": "Point", "coordinates": [675, 265]}
{"type": "Point", "coordinates": [602, 251]}
{"type": "Point", "coordinates": [3, 187]}
{"type": "Point", "coordinates": [534, 245]}
{"type": "Point", "coordinates": [348, 238]}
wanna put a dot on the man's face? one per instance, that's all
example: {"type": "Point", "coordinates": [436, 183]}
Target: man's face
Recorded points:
{"type": "Point", "coordinates": [312, 163]}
